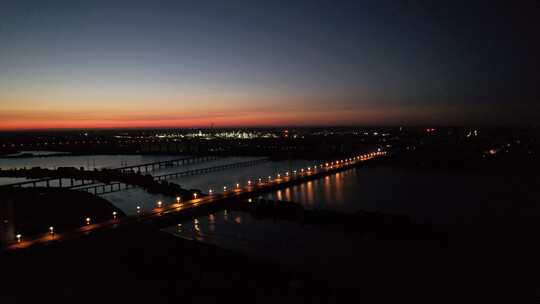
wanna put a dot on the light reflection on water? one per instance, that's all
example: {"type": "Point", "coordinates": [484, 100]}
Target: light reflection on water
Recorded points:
{"type": "Point", "coordinates": [427, 196]}
{"type": "Point", "coordinates": [278, 240]}
{"type": "Point", "coordinates": [320, 193]}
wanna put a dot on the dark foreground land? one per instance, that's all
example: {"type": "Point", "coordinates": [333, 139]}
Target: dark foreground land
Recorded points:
{"type": "Point", "coordinates": [33, 210]}
{"type": "Point", "coordinates": [139, 263]}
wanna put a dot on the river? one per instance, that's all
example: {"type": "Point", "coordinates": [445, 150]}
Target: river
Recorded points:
{"type": "Point", "coordinates": [439, 197]}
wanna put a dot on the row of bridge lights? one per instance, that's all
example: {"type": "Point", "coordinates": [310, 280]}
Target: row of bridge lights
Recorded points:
{"type": "Point", "coordinates": [249, 183]}
{"type": "Point", "coordinates": [51, 232]}
{"type": "Point", "coordinates": [287, 174]}
{"type": "Point", "coordinates": [87, 220]}
{"type": "Point", "coordinates": [309, 169]}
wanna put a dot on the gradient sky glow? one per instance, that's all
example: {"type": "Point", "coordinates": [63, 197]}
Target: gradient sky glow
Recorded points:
{"type": "Point", "coordinates": [102, 64]}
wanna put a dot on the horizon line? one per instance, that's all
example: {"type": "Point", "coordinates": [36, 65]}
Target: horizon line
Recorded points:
{"type": "Point", "coordinates": [480, 125]}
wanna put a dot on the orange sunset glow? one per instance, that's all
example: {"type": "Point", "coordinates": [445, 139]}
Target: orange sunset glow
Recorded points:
{"type": "Point", "coordinates": [65, 109]}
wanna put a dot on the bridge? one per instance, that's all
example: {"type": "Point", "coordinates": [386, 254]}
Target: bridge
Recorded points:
{"type": "Point", "coordinates": [49, 182]}
{"type": "Point", "coordinates": [210, 169]}
{"type": "Point", "coordinates": [68, 182]}
{"type": "Point", "coordinates": [178, 208]}
{"type": "Point", "coordinates": [168, 163]}
{"type": "Point", "coordinates": [119, 186]}
{"type": "Point", "coordinates": [105, 188]}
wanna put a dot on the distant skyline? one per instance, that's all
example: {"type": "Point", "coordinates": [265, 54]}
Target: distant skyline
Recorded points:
{"type": "Point", "coordinates": [126, 64]}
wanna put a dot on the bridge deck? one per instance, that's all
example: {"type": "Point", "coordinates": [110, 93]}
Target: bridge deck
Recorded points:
{"type": "Point", "coordinates": [170, 163]}
{"type": "Point", "coordinates": [210, 169]}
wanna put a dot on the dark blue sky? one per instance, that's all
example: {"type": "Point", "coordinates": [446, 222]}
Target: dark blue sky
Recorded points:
{"type": "Point", "coordinates": [190, 63]}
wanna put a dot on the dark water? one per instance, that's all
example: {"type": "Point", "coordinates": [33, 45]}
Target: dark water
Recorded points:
{"type": "Point", "coordinates": [443, 198]}
{"type": "Point", "coordinates": [87, 161]}
{"type": "Point", "coordinates": [278, 240]}
{"type": "Point", "coordinates": [438, 197]}
{"type": "Point", "coordinates": [11, 180]}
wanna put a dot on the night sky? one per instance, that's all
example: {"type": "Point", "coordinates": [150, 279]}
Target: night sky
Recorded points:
{"type": "Point", "coordinates": [85, 64]}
